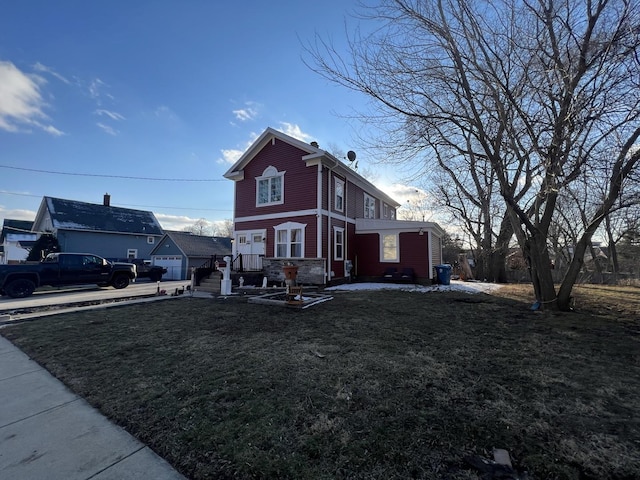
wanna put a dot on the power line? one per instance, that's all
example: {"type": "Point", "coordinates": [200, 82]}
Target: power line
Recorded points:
{"type": "Point", "coordinates": [5, 192]}
{"type": "Point", "coordinates": [127, 177]}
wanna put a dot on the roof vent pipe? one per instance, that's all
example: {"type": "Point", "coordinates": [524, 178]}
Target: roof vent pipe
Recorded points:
{"type": "Point", "coordinates": [107, 200]}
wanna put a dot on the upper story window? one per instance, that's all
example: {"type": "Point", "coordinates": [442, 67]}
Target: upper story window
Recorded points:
{"type": "Point", "coordinates": [369, 206]}
{"type": "Point", "coordinates": [339, 200]}
{"type": "Point", "coordinates": [270, 187]}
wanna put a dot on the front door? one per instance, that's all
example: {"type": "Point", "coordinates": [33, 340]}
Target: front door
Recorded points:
{"type": "Point", "coordinates": [252, 246]}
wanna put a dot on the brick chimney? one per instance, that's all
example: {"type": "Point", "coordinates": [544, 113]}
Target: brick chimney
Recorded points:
{"type": "Point", "coordinates": [107, 200]}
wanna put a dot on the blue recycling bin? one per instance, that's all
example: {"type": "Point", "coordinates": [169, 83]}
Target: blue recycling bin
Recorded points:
{"type": "Point", "coordinates": [444, 274]}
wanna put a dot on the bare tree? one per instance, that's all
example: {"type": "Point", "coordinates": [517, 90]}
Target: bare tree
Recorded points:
{"type": "Point", "coordinates": [200, 227]}
{"type": "Point", "coordinates": [224, 228]}
{"type": "Point", "coordinates": [536, 91]}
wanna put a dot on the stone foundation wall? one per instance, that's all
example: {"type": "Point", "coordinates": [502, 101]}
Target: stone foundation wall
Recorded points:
{"type": "Point", "coordinates": [311, 271]}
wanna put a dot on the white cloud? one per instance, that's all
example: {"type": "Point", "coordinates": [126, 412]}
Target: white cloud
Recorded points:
{"type": "Point", "coordinates": [21, 103]}
{"type": "Point", "coordinates": [108, 129]}
{"type": "Point", "coordinates": [232, 155]}
{"type": "Point", "coordinates": [175, 222]}
{"type": "Point", "coordinates": [52, 130]}
{"type": "Point", "coordinates": [108, 113]}
{"type": "Point", "coordinates": [245, 114]}
{"type": "Point", "coordinates": [294, 131]}
{"type": "Point", "coordinates": [165, 112]}
{"type": "Point", "coordinates": [97, 89]}
{"type": "Point", "coordinates": [38, 67]}
{"type": "Point", "coordinates": [17, 214]}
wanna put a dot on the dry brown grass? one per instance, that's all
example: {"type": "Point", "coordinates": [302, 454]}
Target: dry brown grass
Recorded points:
{"type": "Point", "coordinates": [369, 385]}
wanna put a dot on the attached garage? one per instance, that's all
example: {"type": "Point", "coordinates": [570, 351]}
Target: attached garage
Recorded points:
{"type": "Point", "coordinates": [173, 264]}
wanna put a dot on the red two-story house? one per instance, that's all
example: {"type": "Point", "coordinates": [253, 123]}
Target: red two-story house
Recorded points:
{"type": "Point", "coordinates": [297, 204]}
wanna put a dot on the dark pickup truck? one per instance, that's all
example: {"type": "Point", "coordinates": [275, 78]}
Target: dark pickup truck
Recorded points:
{"type": "Point", "coordinates": [58, 269]}
{"type": "Point", "coordinates": [144, 267]}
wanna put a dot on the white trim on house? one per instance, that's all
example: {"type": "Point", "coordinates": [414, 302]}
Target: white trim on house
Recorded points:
{"type": "Point", "coordinates": [395, 236]}
{"type": "Point", "coordinates": [288, 227]}
{"type": "Point", "coordinates": [338, 232]}
{"type": "Point", "coordinates": [299, 213]}
{"type": "Point", "coordinates": [367, 225]}
{"type": "Point", "coordinates": [270, 175]}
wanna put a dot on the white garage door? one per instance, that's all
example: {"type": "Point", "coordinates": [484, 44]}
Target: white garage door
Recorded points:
{"type": "Point", "coordinates": [173, 264]}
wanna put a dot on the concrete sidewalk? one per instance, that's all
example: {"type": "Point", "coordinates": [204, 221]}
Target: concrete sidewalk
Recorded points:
{"type": "Point", "coordinates": [48, 432]}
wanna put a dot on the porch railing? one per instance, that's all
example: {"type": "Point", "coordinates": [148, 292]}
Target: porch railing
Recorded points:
{"type": "Point", "coordinates": [247, 262]}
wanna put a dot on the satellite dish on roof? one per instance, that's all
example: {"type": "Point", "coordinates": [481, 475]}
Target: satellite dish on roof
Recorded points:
{"type": "Point", "coordinates": [351, 155]}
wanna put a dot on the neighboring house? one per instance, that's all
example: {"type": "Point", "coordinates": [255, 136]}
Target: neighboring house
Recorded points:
{"type": "Point", "coordinates": [110, 232]}
{"type": "Point", "coordinates": [16, 241]}
{"type": "Point", "coordinates": [179, 252]}
{"type": "Point", "coordinates": [296, 203]}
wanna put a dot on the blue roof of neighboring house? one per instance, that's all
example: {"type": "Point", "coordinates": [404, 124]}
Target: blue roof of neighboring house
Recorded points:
{"type": "Point", "coordinates": [74, 215]}
{"type": "Point", "coordinates": [15, 226]}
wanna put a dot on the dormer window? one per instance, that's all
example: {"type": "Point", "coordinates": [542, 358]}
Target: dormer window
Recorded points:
{"type": "Point", "coordinates": [270, 187]}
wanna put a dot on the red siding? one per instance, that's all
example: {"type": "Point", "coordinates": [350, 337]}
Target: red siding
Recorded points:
{"type": "Point", "coordinates": [414, 253]}
{"type": "Point", "coordinates": [300, 181]}
{"type": "Point", "coordinates": [310, 232]}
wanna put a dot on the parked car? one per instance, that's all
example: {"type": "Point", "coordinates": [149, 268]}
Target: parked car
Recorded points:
{"type": "Point", "coordinates": [58, 269]}
{"type": "Point", "coordinates": [145, 269]}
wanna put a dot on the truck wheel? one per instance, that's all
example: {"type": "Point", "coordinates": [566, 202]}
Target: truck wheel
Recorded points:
{"type": "Point", "coordinates": [120, 281]}
{"type": "Point", "coordinates": [20, 288]}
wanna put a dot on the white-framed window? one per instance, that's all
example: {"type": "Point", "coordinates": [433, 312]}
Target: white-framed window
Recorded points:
{"type": "Point", "coordinates": [389, 247]}
{"type": "Point", "coordinates": [151, 240]}
{"type": "Point", "coordinates": [242, 239]}
{"type": "Point", "coordinates": [257, 238]}
{"type": "Point", "coordinates": [369, 206]}
{"type": "Point", "coordinates": [270, 187]}
{"type": "Point", "coordinates": [132, 253]}
{"type": "Point", "coordinates": [339, 195]}
{"type": "Point", "coordinates": [289, 240]}
{"type": "Point", "coordinates": [338, 243]}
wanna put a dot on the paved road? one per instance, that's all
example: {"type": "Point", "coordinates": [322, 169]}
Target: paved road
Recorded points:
{"type": "Point", "coordinates": [86, 294]}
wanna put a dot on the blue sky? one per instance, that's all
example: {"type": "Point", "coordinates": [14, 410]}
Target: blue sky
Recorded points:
{"type": "Point", "coordinates": [159, 89]}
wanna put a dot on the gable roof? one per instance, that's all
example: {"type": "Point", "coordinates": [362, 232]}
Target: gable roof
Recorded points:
{"type": "Point", "coordinates": [313, 155]}
{"type": "Point", "coordinates": [15, 226]}
{"type": "Point", "coordinates": [193, 245]}
{"type": "Point", "coordinates": [74, 215]}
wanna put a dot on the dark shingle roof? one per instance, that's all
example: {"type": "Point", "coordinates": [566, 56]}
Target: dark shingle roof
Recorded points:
{"type": "Point", "coordinates": [200, 246]}
{"type": "Point", "coordinates": [15, 226]}
{"type": "Point", "coordinates": [74, 215]}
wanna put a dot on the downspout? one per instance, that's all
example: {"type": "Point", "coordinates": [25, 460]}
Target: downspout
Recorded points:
{"type": "Point", "coordinates": [430, 255]}
{"type": "Point", "coordinates": [329, 232]}
{"type": "Point", "coordinates": [319, 213]}
{"type": "Point", "coordinates": [329, 218]}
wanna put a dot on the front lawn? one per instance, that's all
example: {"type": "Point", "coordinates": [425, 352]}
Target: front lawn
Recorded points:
{"type": "Point", "coordinates": [373, 385]}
